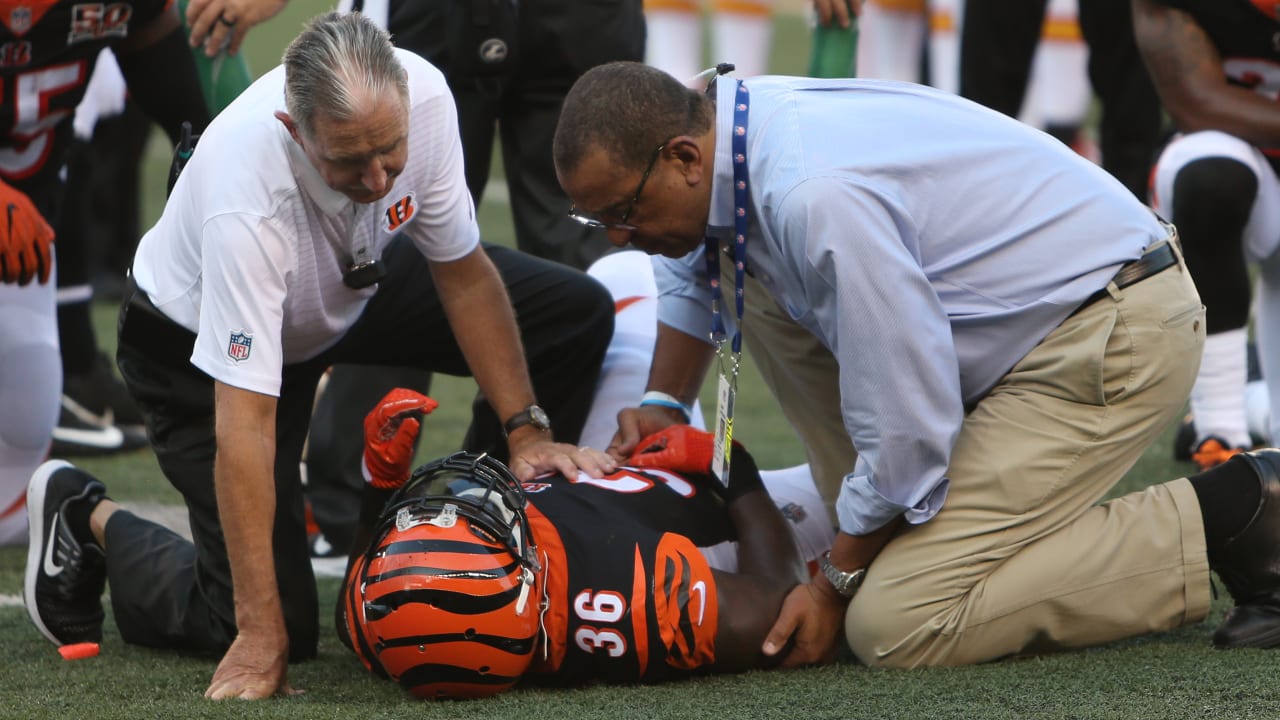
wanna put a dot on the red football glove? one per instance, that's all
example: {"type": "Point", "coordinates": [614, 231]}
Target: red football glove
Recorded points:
{"type": "Point", "coordinates": [389, 432]}
{"type": "Point", "coordinates": [688, 451]}
{"type": "Point", "coordinates": [679, 448]}
{"type": "Point", "coordinates": [25, 239]}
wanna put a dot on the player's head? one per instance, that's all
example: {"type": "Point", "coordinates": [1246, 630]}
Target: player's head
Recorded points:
{"type": "Point", "coordinates": [447, 600]}
{"type": "Point", "coordinates": [347, 97]}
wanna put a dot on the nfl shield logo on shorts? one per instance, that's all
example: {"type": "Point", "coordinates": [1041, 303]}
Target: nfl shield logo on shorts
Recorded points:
{"type": "Point", "coordinates": [238, 348]}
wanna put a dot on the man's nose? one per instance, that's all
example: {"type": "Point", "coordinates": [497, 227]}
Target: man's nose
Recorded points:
{"type": "Point", "coordinates": [375, 177]}
{"type": "Point", "coordinates": [619, 237]}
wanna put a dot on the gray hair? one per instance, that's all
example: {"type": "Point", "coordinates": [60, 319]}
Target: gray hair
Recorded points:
{"type": "Point", "coordinates": [337, 61]}
{"type": "Point", "coordinates": [626, 109]}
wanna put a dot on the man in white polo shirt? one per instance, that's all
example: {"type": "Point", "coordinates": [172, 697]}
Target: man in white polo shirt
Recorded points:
{"type": "Point", "coordinates": [323, 218]}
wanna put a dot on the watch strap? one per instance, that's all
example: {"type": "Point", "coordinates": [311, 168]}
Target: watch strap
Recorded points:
{"type": "Point", "coordinates": [532, 415]}
{"type": "Point", "coordinates": [845, 582]}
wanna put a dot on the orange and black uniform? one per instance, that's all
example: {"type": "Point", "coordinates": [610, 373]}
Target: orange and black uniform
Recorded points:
{"type": "Point", "coordinates": [630, 597]}
{"type": "Point", "coordinates": [48, 49]}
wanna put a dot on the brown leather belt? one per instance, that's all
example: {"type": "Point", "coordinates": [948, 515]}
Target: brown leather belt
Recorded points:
{"type": "Point", "coordinates": [1155, 260]}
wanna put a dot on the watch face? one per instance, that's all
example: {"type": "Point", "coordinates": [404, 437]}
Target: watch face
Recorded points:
{"type": "Point", "coordinates": [539, 417]}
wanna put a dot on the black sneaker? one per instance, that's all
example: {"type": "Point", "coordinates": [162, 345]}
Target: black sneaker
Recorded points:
{"type": "Point", "coordinates": [66, 570]}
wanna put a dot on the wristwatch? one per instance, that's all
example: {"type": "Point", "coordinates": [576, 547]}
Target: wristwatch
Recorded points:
{"type": "Point", "coordinates": [846, 583]}
{"type": "Point", "coordinates": [532, 415]}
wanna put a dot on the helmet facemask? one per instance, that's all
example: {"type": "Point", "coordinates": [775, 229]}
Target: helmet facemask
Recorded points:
{"type": "Point", "coordinates": [447, 599]}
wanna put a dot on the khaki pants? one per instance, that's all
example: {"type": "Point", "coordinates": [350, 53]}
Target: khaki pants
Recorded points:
{"type": "Point", "coordinates": [1022, 558]}
{"type": "Point", "coordinates": [803, 377]}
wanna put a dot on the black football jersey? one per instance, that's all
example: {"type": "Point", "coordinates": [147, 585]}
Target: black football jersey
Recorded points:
{"type": "Point", "coordinates": [631, 597]}
{"type": "Point", "coordinates": [48, 49]}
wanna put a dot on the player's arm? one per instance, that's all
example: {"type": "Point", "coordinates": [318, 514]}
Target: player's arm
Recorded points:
{"type": "Point", "coordinates": [1188, 73]}
{"type": "Point", "coordinates": [244, 482]}
{"type": "Point", "coordinates": [161, 75]}
{"type": "Point", "coordinates": [769, 565]}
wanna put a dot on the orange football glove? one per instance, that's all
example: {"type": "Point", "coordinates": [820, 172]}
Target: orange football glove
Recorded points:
{"type": "Point", "coordinates": [26, 240]}
{"type": "Point", "coordinates": [389, 432]}
{"type": "Point", "coordinates": [688, 451]}
{"type": "Point", "coordinates": [679, 448]}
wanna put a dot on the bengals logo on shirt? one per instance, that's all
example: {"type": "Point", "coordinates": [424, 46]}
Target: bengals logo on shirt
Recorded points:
{"type": "Point", "coordinates": [399, 213]}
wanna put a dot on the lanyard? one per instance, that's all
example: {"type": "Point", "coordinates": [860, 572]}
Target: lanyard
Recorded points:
{"type": "Point", "coordinates": [729, 375]}
{"type": "Point", "coordinates": [740, 185]}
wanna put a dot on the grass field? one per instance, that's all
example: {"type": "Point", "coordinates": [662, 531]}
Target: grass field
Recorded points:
{"type": "Point", "coordinates": [1170, 675]}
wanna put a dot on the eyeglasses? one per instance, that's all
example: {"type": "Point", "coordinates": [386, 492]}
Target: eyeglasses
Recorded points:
{"type": "Point", "coordinates": [622, 223]}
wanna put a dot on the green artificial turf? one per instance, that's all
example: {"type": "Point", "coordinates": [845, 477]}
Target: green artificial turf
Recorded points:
{"type": "Point", "coordinates": [1169, 675]}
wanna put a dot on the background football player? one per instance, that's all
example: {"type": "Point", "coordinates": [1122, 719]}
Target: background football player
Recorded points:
{"type": "Point", "coordinates": [47, 52]}
{"type": "Point", "coordinates": [1216, 66]}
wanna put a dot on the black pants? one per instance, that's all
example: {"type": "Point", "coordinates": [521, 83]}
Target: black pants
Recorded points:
{"type": "Point", "coordinates": [553, 43]}
{"type": "Point", "coordinates": [167, 592]}
{"type": "Point", "coordinates": [998, 41]}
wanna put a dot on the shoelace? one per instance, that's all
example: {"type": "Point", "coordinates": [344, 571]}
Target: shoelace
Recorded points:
{"type": "Point", "coordinates": [75, 576]}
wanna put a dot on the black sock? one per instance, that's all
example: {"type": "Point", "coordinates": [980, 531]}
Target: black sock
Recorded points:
{"type": "Point", "coordinates": [1229, 495]}
{"type": "Point", "coordinates": [75, 334]}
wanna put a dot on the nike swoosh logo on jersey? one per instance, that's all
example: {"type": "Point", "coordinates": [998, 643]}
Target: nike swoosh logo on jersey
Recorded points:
{"type": "Point", "coordinates": [50, 568]}
{"type": "Point", "coordinates": [700, 588]}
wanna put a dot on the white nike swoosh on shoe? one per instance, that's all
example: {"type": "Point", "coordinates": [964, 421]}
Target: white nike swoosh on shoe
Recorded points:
{"type": "Point", "coordinates": [86, 415]}
{"type": "Point", "coordinates": [35, 541]}
{"type": "Point", "coordinates": [106, 437]}
{"type": "Point", "coordinates": [50, 568]}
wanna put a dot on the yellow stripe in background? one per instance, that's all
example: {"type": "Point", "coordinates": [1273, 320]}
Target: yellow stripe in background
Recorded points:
{"type": "Point", "coordinates": [685, 6]}
{"type": "Point", "coordinates": [905, 6]}
{"type": "Point", "coordinates": [743, 7]}
{"type": "Point", "coordinates": [942, 22]}
{"type": "Point", "coordinates": [1061, 30]}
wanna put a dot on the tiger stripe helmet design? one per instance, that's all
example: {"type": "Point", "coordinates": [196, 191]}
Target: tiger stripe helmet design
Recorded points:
{"type": "Point", "coordinates": [447, 600]}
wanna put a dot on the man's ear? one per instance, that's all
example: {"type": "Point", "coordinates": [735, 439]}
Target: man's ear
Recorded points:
{"type": "Point", "coordinates": [289, 125]}
{"type": "Point", "coordinates": [686, 150]}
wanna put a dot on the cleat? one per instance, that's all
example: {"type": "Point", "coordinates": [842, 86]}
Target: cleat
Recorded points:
{"type": "Point", "coordinates": [1249, 565]}
{"type": "Point", "coordinates": [98, 416]}
{"type": "Point", "coordinates": [1212, 452]}
{"type": "Point", "coordinates": [66, 571]}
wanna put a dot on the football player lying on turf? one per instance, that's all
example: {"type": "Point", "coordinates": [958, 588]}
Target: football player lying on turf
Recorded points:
{"type": "Point", "coordinates": [470, 581]}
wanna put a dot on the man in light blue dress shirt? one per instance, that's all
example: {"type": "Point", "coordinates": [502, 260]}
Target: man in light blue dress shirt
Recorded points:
{"type": "Point", "coordinates": [997, 326]}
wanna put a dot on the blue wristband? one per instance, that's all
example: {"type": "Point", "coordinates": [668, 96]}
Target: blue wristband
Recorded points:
{"type": "Point", "coordinates": [661, 399]}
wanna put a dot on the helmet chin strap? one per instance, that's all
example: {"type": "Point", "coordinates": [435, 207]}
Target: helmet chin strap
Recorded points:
{"type": "Point", "coordinates": [526, 581]}
{"type": "Point", "coordinates": [542, 614]}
